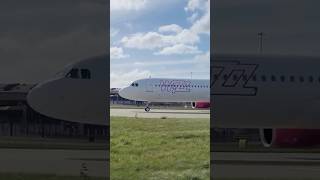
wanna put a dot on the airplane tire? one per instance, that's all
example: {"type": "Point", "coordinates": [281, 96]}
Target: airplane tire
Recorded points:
{"type": "Point", "coordinates": [147, 109]}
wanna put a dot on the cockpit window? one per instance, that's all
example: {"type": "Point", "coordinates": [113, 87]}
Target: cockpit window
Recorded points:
{"type": "Point", "coordinates": [85, 74]}
{"type": "Point", "coordinates": [135, 84]}
{"type": "Point", "coordinates": [73, 73]}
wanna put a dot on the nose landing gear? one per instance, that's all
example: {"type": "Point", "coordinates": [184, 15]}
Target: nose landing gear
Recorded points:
{"type": "Point", "coordinates": [147, 108]}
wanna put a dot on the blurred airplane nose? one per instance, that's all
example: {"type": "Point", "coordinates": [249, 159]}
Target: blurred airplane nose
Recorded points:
{"type": "Point", "coordinates": [36, 98]}
{"type": "Point", "coordinates": [124, 93]}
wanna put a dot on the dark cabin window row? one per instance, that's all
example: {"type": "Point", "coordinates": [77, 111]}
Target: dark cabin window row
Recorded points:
{"type": "Point", "coordinates": [79, 74]}
{"type": "Point", "coordinates": [182, 86]}
{"type": "Point", "coordinates": [272, 78]}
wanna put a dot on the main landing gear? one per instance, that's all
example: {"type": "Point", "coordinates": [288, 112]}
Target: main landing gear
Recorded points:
{"type": "Point", "coordinates": [147, 108]}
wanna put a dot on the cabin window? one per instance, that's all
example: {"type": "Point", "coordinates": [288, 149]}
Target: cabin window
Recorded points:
{"type": "Point", "coordinates": [282, 78]}
{"type": "Point", "coordinates": [263, 78]}
{"type": "Point", "coordinates": [301, 78]}
{"type": "Point", "coordinates": [273, 78]}
{"type": "Point", "coordinates": [310, 79]}
{"type": "Point", "coordinates": [85, 74]}
{"type": "Point", "coordinates": [74, 74]}
{"type": "Point", "coordinates": [292, 78]}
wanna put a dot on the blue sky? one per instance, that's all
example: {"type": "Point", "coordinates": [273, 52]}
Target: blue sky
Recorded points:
{"type": "Point", "coordinates": [159, 38]}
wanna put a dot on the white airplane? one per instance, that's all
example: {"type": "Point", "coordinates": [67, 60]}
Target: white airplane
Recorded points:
{"type": "Point", "coordinates": [168, 90]}
{"type": "Point", "coordinates": [78, 93]}
{"type": "Point", "coordinates": [272, 93]}
{"type": "Point", "coordinates": [280, 95]}
{"type": "Point", "coordinates": [265, 91]}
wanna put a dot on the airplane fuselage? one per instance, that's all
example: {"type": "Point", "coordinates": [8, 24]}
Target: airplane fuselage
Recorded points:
{"type": "Point", "coordinates": [269, 92]}
{"type": "Point", "coordinates": [167, 90]}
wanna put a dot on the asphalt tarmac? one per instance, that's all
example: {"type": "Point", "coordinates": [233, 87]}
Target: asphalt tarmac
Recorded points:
{"type": "Point", "coordinates": [265, 165]}
{"type": "Point", "coordinates": [59, 162]}
{"type": "Point", "coordinates": [159, 113]}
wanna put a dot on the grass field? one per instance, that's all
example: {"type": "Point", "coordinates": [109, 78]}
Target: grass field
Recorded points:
{"type": "Point", "coordinates": [159, 149]}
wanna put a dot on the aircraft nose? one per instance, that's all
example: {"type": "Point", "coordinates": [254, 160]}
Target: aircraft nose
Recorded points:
{"type": "Point", "coordinates": [124, 92]}
{"type": "Point", "coordinates": [36, 98]}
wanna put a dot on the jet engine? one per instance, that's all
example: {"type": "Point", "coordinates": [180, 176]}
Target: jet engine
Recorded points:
{"type": "Point", "coordinates": [200, 104]}
{"type": "Point", "coordinates": [290, 137]}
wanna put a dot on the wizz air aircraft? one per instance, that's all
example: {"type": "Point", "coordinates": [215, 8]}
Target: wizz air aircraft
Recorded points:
{"type": "Point", "coordinates": [196, 91]}
{"type": "Point", "coordinates": [279, 95]}
{"type": "Point", "coordinates": [78, 93]}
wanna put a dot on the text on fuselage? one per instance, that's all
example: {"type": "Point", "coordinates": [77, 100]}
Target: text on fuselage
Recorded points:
{"type": "Point", "coordinates": [231, 78]}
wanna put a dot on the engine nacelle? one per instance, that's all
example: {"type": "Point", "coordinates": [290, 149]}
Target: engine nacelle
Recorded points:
{"type": "Point", "coordinates": [290, 137]}
{"type": "Point", "coordinates": [200, 104]}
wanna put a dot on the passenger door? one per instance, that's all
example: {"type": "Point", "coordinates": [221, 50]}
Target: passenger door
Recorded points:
{"type": "Point", "coordinates": [149, 85]}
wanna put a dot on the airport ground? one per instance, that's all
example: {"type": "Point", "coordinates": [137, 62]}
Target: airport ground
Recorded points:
{"type": "Point", "coordinates": [160, 147]}
{"type": "Point", "coordinates": [23, 176]}
{"type": "Point", "coordinates": [160, 113]}
{"type": "Point", "coordinates": [155, 148]}
{"type": "Point", "coordinates": [45, 158]}
{"type": "Point", "coordinates": [163, 147]}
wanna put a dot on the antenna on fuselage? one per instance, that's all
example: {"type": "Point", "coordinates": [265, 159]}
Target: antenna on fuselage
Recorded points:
{"type": "Point", "coordinates": [260, 39]}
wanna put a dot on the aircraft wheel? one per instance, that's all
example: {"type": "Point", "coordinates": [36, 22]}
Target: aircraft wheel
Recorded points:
{"type": "Point", "coordinates": [147, 109]}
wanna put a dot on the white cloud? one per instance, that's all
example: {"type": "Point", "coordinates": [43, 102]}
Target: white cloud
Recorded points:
{"type": "Point", "coordinates": [170, 28]}
{"type": "Point", "coordinates": [202, 25]}
{"type": "Point", "coordinates": [118, 5]}
{"type": "Point", "coordinates": [203, 57]}
{"type": "Point", "coordinates": [113, 32]}
{"type": "Point", "coordinates": [193, 17]}
{"type": "Point", "coordinates": [153, 40]}
{"type": "Point", "coordinates": [194, 5]}
{"type": "Point", "coordinates": [120, 79]}
{"type": "Point", "coordinates": [150, 40]}
{"type": "Point", "coordinates": [188, 37]}
{"type": "Point", "coordinates": [179, 49]}
{"type": "Point", "coordinates": [117, 53]}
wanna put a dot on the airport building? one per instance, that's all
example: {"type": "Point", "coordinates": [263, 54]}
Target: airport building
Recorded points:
{"type": "Point", "coordinates": [19, 119]}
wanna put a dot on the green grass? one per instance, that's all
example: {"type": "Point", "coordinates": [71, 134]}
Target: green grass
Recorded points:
{"type": "Point", "coordinates": [159, 148]}
{"type": "Point", "coordinates": [25, 176]}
